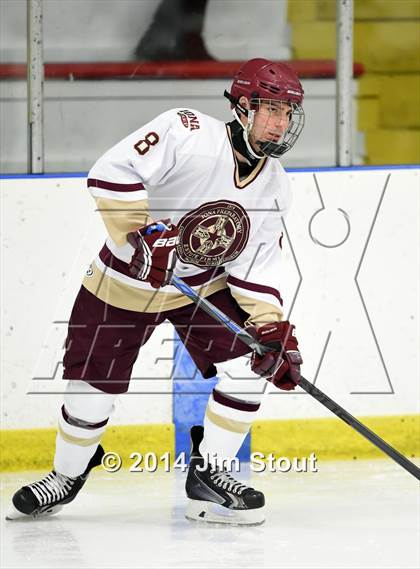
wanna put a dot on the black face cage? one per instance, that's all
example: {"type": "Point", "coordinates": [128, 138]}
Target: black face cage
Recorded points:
{"type": "Point", "coordinates": [297, 122]}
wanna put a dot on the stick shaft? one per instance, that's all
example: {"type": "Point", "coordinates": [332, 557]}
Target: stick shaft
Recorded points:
{"type": "Point", "coordinates": [359, 427]}
{"type": "Point", "coordinates": [218, 315]}
{"type": "Point", "coordinates": [306, 385]}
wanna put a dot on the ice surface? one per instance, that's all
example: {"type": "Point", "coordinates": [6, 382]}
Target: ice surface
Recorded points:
{"type": "Point", "coordinates": [361, 514]}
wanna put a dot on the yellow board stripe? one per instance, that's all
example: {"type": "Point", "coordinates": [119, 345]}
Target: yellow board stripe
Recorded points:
{"type": "Point", "coordinates": [33, 449]}
{"type": "Point", "coordinates": [329, 439]}
{"type": "Point", "coordinates": [332, 439]}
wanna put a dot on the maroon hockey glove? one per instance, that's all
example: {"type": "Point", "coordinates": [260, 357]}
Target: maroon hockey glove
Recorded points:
{"type": "Point", "coordinates": [154, 256]}
{"type": "Point", "coordinates": [282, 365]}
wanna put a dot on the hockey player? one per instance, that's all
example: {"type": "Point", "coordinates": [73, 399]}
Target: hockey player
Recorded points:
{"type": "Point", "coordinates": [188, 194]}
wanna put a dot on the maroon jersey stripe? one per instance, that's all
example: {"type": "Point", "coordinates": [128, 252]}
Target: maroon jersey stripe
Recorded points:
{"type": "Point", "coordinates": [234, 403]}
{"type": "Point", "coordinates": [94, 183]}
{"type": "Point", "coordinates": [113, 262]}
{"type": "Point", "coordinates": [255, 287]}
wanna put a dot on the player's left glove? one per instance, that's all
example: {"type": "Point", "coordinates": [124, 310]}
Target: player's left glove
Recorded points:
{"type": "Point", "coordinates": [282, 365]}
{"type": "Point", "coordinates": [154, 257]}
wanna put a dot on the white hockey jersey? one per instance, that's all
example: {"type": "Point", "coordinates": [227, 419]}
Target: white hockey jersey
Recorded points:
{"type": "Point", "coordinates": [182, 166]}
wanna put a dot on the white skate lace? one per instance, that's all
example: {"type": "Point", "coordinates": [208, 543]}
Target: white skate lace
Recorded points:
{"type": "Point", "coordinates": [52, 488]}
{"type": "Point", "coordinates": [227, 482]}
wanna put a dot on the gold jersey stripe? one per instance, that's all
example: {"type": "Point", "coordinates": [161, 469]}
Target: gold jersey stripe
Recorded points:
{"type": "Point", "coordinates": [260, 312]}
{"type": "Point", "coordinates": [228, 424]}
{"type": "Point", "coordinates": [121, 217]}
{"type": "Point", "coordinates": [122, 295]}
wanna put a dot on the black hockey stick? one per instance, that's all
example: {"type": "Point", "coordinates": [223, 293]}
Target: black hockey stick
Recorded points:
{"type": "Point", "coordinates": [245, 337]}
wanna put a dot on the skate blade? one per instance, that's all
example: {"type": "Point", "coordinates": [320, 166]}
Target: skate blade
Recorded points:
{"type": "Point", "coordinates": [208, 512]}
{"type": "Point", "coordinates": [15, 514]}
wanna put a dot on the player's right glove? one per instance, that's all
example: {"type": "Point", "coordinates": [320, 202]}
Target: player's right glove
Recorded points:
{"type": "Point", "coordinates": [282, 365]}
{"type": "Point", "coordinates": [154, 257]}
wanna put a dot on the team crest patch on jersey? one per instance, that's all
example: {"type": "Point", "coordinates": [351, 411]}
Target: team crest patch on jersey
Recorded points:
{"type": "Point", "coordinates": [189, 119]}
{"type": "Point", "coordinates": [213, 234]}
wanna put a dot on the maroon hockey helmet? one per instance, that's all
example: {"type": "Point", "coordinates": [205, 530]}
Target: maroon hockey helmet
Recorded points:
{"type": "Point", "coordinates": [260, 79]}
{"type": "Point", "coordinates": [263, 79]}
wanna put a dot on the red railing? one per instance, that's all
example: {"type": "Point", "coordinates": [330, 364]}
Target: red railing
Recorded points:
{"type": "Point", "coordinates": [306, 69]}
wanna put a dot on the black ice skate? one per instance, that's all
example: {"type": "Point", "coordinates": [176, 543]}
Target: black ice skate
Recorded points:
{"type": "Point", "coordinates": [49, 495]}
{"type": "Point", "coordinates": [215, 496]}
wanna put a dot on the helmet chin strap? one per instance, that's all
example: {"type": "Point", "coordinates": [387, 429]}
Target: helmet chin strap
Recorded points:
{"type": "Point", "coordinates": [251, 154]}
